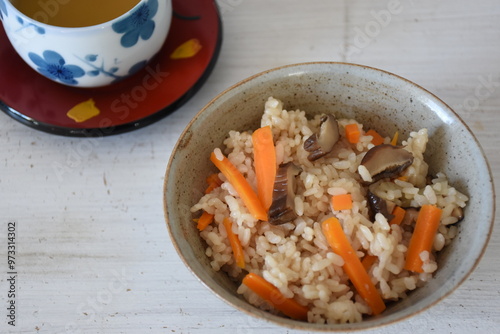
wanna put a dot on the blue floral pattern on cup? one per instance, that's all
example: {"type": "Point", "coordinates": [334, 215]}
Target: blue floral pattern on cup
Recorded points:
{"type": "Point", "coordinates": [138, 24]}
{"type": "Point", "coordinates": [25, 25]}
{"type": "Point", "coordinates": [3, 9]}
{"type": "Point", "coordinates": [91, 61]}
{"type": "Point", "coordinates": [53, 66]}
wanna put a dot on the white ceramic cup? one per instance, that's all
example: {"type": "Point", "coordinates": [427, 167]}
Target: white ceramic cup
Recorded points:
{"type": "Point", "coordinates": [91, 56]}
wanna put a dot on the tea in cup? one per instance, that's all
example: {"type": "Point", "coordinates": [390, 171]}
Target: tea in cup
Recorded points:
{"type": "Point", "coordinates": [86, 43]}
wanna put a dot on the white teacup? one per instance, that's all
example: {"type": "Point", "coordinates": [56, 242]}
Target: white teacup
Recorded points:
{"type": "Point", "coordinates": [91, 56]}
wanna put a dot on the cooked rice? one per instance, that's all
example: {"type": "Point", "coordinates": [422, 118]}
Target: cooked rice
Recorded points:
{"type": "Point", "coordinates": [295, 257]}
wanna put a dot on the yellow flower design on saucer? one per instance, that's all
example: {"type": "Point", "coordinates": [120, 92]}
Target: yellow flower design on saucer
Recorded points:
{"type": "Point", "coordinates": [83, 111]}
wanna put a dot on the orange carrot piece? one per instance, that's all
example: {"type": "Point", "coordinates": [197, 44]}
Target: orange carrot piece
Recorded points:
{"type": "Point", "coordinates": [204, 220]}
{"type": "Point", "coordinates": [211, 187]}
{"type": "Point", "coordinates": [399, 214]}
{"type": "Point", "coordinates": [239, 255]}
{"type": "Point", "coordinates": [394, 140]}
{"type": "Point", "coordinates": [377, 138]}
{"type": "Point", "coordinates": [241, 186]}
{"type": "Point", "coordinates": [423, 236]}
{"type": "Point", "coordinates": [352, 133]}
{"type": "Point", "coordinates": [213, 182]}
{"type": "Point", "coordinates": [342, 202]}
{"type": "Point", "coordinates": [403, 178]}
{"type": "Point", "coordinates": [352, 264]}
{"type": "Point", "coordinates": [273, 296]}
{"type": "Point", "coordinates": [368, 261]}
{"type": "Point", "coordinates": [213, 178]}
{"type": "Point", "coordinates": [264, 154]}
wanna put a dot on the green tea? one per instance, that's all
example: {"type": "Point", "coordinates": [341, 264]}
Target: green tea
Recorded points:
{"type": "Point", "coordinates": [74, 13]}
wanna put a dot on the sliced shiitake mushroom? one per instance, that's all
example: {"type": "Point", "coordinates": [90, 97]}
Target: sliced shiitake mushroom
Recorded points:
{"type": "Point", "coordinates": [386, 161]}
{"type": "Point", "coordinates": [282, 209]}
{"type": "Point", "coordinates": [379, 205]}
{"type": "Point", "coordinates": [320, 144]}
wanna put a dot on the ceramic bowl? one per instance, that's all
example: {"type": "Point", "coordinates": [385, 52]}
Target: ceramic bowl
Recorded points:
{"type": "Point", "coordinates": [90, 56]}
{"type": "Point", "coordinates": [385, 101]}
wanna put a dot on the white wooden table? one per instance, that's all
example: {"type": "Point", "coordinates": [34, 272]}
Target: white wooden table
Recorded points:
{"type": "Point", "coordinates": [93, 252]}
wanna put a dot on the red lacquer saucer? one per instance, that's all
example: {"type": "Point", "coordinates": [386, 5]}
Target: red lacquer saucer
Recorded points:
{"type": "Point", "coordinates": [170, 79]}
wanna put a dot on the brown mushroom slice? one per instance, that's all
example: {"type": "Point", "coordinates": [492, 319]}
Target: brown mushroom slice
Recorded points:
{"type": "Point", "coordinates": [386, 161]}
{"type": "Point", "coordinates": [282, 209]}
{"type": "Point", "coordinates": [379, 205]}
{"type": "Point", "coordinates": [320, 144]}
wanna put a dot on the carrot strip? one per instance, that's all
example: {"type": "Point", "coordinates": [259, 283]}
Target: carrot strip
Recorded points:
{"type": "Point", "coordinates": [377, 138]}
{"type": "Point", "coordinates": [273, 296]}
{"type": "Point", "coordinates": [241, 186]}
{"type": "Point", "coordinates": [239, 255]}
{"type": "Point", "coordinates": [342, 202]}
{"type": "Point", "coordinates": [213, 178]}
{"type": "Point", "coordinates": [368, 261]}
{"type": "Point", "coordinates": [352, 133]}
{"type": "Point", "coordinates": [213, 182]}
{"type": "Point", "coordinates": [423, 236]}
{"type": "Point", "coordinates": [211, 187]}
{"type": "Point", "coordinates": [399, 214]}
{"type": "Point", "coordinates": [394, 140]}
{"type": "Point", "coordinates": [264, 154]}
{"type": "Point", "coordinates": [204, 220]}
{"type": "Point", "coordinates": [352, 264]}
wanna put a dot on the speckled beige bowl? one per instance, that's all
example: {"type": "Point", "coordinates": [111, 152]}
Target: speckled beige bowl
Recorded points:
{"type": "Point", "coordinates": [376, 98]}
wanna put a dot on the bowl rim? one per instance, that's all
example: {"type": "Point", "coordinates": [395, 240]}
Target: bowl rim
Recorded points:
{"type": "Point", "coordinates": [299, 325]}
